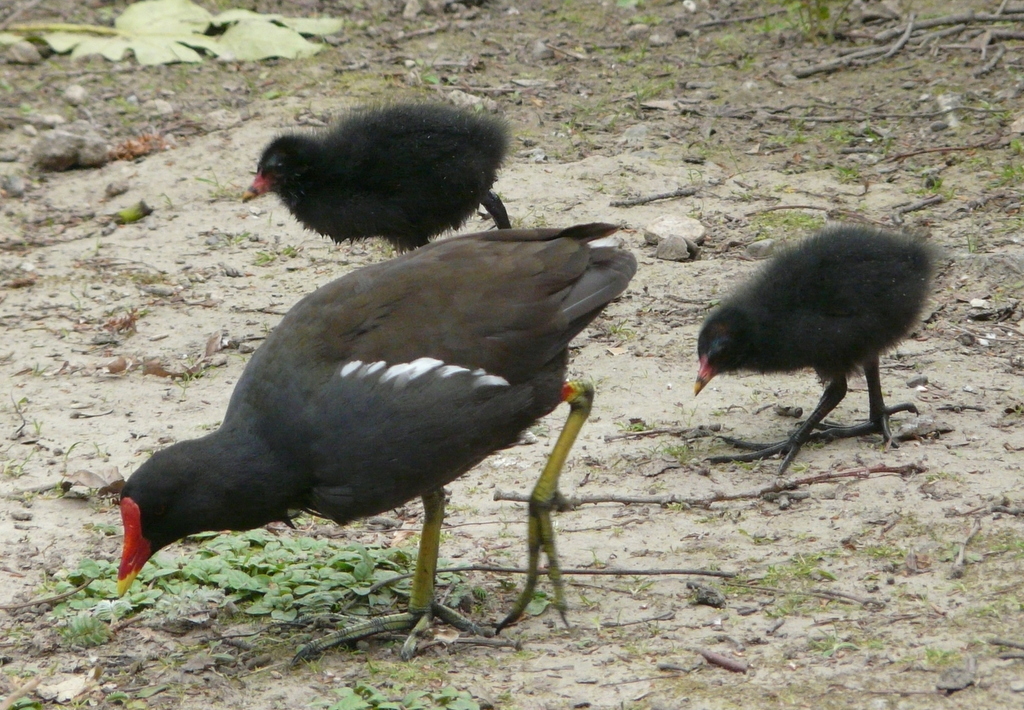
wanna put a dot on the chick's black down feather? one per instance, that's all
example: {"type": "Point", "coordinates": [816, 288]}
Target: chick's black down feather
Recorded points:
{"type": "Point", "coordinates": [405, 172]}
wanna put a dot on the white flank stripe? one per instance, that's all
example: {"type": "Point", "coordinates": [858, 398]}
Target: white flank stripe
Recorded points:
{"type": "Point", "coordinates": [351, 367]}
{"type": "Point", "coordinates": [449, 370]}
{"type": "Point", "coordinates": [372, 368]}
{"type": "Point", "coordinates": [406, 371]}
{"type": "Point", "coordinates": [490, 381]}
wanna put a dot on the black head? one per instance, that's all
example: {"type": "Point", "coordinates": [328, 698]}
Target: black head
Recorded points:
{"type": "Point", "coordinates": [191, 487]}
{"type": "Point", "coordinates": [284, 167]}
{"type": "Point", "coordinates": [723, 344]}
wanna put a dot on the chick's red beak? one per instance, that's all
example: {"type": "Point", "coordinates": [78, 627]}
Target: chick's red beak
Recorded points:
{"type": "Point", "coordinates": [136, 548]}
{"type": "Point", "coordinates": [704, 375]}
{"type": "Point", "coordinates": [261, 184]}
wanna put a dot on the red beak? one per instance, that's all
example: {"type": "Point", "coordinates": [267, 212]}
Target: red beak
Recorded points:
{"type": "Point", "coordinates": [261, 184]}
{"type": "Point", "coordinates": [136, 548]}
{"type": "Point", "coordinates": [704, 375]}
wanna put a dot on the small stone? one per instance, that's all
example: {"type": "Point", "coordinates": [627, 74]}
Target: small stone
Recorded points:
{"type": "Point", "coordinates": [541, 50]}
{"type": "Point", "coordinates": [465, 100]}
{"type": "Point", "coordinates": [159, 107]}
{"type": "Point", "coordinates": [761, 249]}
{"type": "Point", "coordinates": [637, 33]}
{"type": "Point", "coordinates": [938, 126]}
{"type": "Point", "coordinates": [412, 9]}
{"type": "Point", "coordinates": [222, 119]}
{"type": "Point", "coordinates": [674, 225]}
{"type": "Point", "coordinates": [634, 135]}
{"type": "Point", "coordinates": [8, 157]}
{"type": "Point", "coordinates": [23, 53]}
{"type": "Point", "coordinates": [48, 120]}
{"type": "Point", "coordinates": [93, 153]}
{"type": "Point", "coordinates": [63, 149]}
{"type": "Point", "coordinates": [1018, 125]}
{"type": "Point", "coordinates": [75, 95]}
{"type": "Point", "coordinates": [917, 381]}
{"type": "Point", "coordinates": [115, 188]}
{"type": "Point", "coordinates": [29, 130]}
{"type": "Point", "coordinates": [676, 248]}
{"type": "Point", "coordinates": [966, 339]}
{"type": "Point", "coordinates": [1017, 686]}
{"type": "Point", "coordinates": [13, 186]}
{"type": "Point", "coordinates": [661, 39]}
{"type": "Point", "coordinates": [22, 515]}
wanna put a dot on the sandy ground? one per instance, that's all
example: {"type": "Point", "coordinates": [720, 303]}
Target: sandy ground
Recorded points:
{"type": "Point", "coordinates": [850, 598]}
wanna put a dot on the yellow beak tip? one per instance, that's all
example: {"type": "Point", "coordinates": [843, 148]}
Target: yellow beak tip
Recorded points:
{"type": "Point", "coordinates": [123, 585]}
{"type": "Point", "coordinates": [248, 195]}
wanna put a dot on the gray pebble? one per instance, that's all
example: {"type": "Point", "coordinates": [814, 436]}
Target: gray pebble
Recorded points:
{"type": "Point", "coordinates": [674, 225]}
{"type": "Point", "coordinates": [412, 9]}
{"type": "Point", "coordinates": [22, 515]}
{"type": "Point", "coordinates": [639, 32]}
{"type": "Point", "coordinates": [917, 381]}
{"type": "Point", "coordinates": [1017, 686]}
{"type": "Point", "coordinates": [541, 50]}
{"type": "Point", "coordinates": [8, 157]}
{"type": "Point", "coordinates": [115, 188]}
{"type": "Point", "coordinates": [662, 39]}
{"type": "Point", "coordinates": [29, 130]}
{"type": "Point", "coordinates": [938, 126]}
{"type": "Point", "coordinates": [75, 95]}
{"type": "Point", "coordinates": [48, 120]}
{"type": "Point", "coordinates": [159, 107]}
{"type": "Point", "coordinates": [222, 119]}
{"type": "Point", "coordinates": [13, 186]}
{"type": "Point", "coordinates": [23, 53]}
{"type": "Point", "coordinates": [635, 134]}
{"type": "Point", "coordinates": [676, 248]}
{"type": "Point", "coordinates": [761, 249]}
{"type": "Point", "coordinates": [63, 149]}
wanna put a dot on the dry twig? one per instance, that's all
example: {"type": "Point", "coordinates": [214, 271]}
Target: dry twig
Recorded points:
{"type": "Point", "coordinates": [47, 600]}
{"type": "Point", "coordinates": [778, 486]}
{"type": "Point", "coordinates": [20, 692]}
{"type": "Point", "coordinates": [729, 664]}
{"type": "Point", "coordinates": [634, 201]}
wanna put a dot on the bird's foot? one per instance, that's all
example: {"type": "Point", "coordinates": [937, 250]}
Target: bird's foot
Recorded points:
{"type": "Point", "coordinates": [416, 622]}
{"type": "Point", "coordinates": [541, 536]}
{"type": "Point", "coordinates": [790, 447]}
{"type": "Point", "coordinates": [878, 424]}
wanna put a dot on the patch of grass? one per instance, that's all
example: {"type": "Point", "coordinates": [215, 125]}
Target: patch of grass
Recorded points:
{"type": "Point", "coordinates": [783, 224]}
{"type": "Point", "coordinates": [830, 645]}
{"type": "Point", "coordinates": [1011, 174]}
{"type": "Point", "coordinates": [848, 174]}
{"type": "Point", "coordinates": [940, 657]}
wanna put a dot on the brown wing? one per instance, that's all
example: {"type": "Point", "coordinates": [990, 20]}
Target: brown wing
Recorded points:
{"type": "Point", "coordinates": [506, 301]}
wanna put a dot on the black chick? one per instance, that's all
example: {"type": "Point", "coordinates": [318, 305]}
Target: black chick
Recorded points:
{"type": "Point", "coordinates": [834, 302]}
{"type": "Point", "coordinates": [405, 172]}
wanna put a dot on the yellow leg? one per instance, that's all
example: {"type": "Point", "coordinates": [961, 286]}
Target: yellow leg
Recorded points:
{"type": "Point", "coordinates": [541, 532]}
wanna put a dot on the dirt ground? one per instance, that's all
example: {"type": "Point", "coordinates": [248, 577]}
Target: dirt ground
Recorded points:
{"type": "Point", "coordinates": [848, 591]}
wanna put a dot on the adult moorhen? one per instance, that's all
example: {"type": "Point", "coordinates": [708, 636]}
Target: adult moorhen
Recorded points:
{"type": "Point", "coordinates": [834, 302]}
{"type": "Point", "coordinates": [405, 172]}
{"type": "Point", "coordinates": [387, 384]}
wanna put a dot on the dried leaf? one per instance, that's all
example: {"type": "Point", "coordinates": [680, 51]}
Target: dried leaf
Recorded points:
{"type": "Point", "coordinates": [117, 365]}
{"type": "Point", "coordinates": [156, 368]}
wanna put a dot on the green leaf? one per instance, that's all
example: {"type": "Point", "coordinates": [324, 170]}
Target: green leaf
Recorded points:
{"type": "Point", "coordinates": [8, 38]}
{"type": "Point", "coordinates": [257, 39]}
{"type": "Point", "coordinates": [163, 17]}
